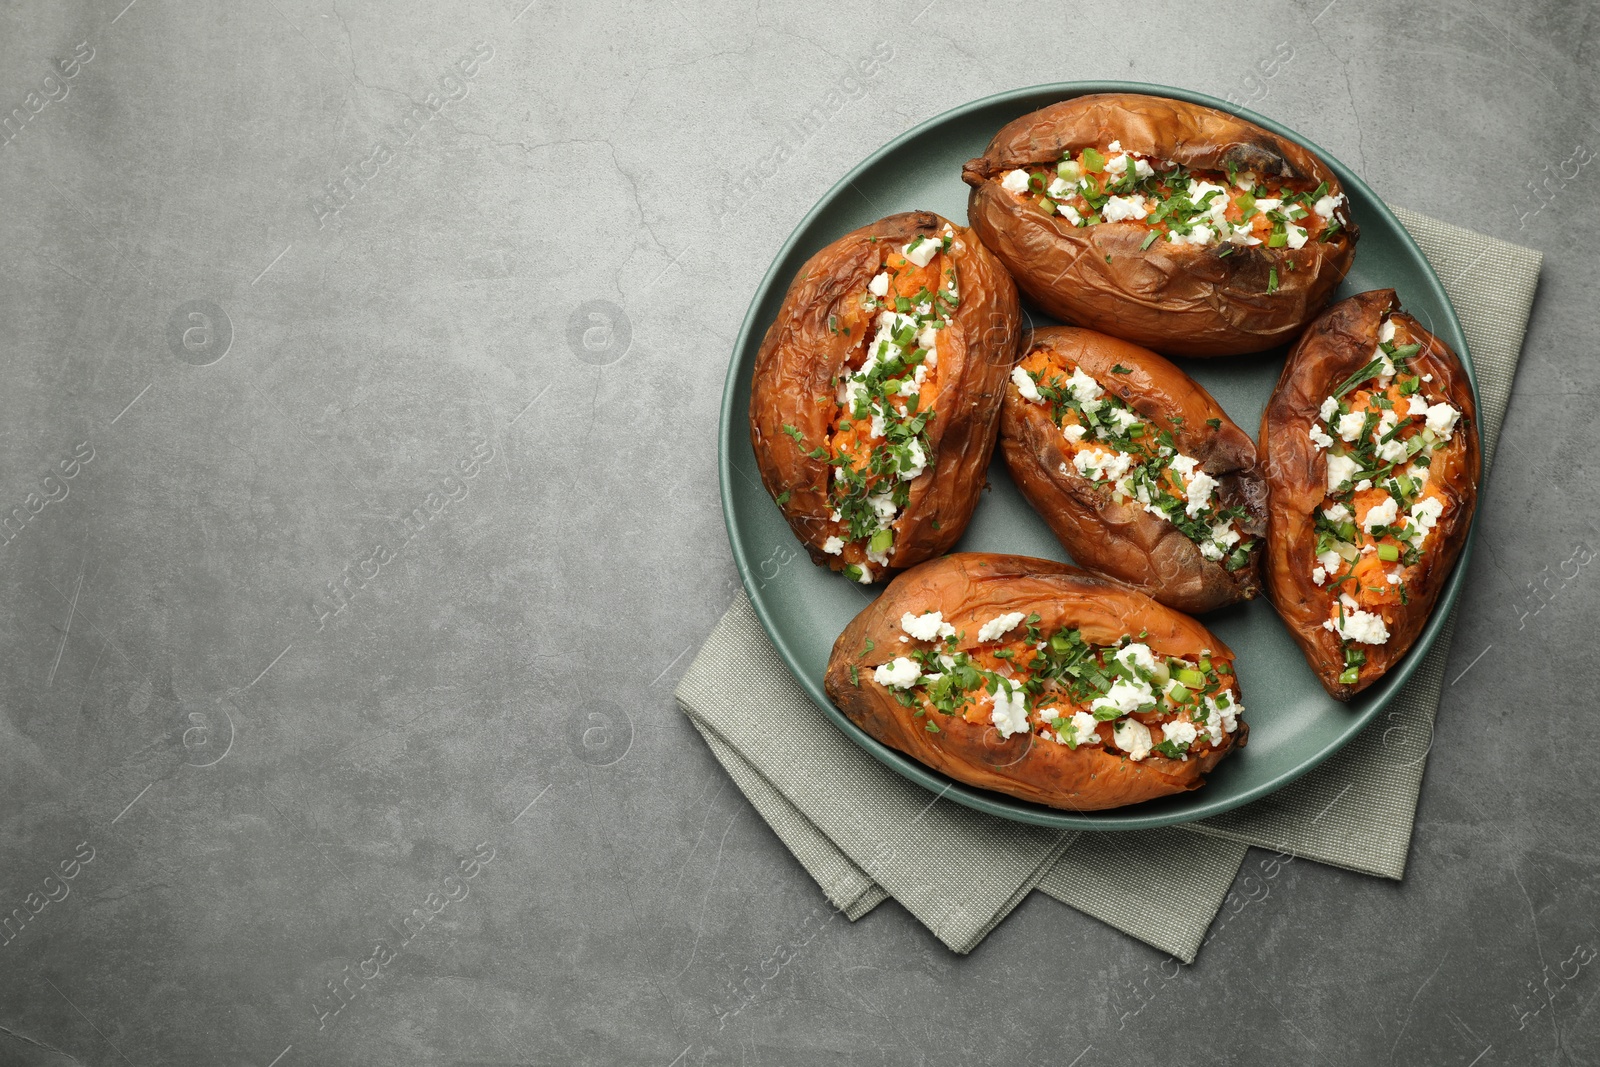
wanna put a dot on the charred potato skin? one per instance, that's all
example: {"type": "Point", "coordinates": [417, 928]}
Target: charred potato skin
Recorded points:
{"type": "Point", "coordinates": [971, 587]}
{"type": "Point", "coordinates": [800, 353]}
{"type": "Point", "coordinates": [1183, 300]}
{"type": "Point", "coordinates": [1122, 540]}
{"type": "Point", "coordinates": [1335, 346]}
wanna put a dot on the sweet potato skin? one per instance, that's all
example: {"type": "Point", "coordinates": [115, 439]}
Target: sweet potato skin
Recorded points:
{"type": "Point", "coordinates": [1178, 299]}
{"type": "Point", "coordinates": [1335, 346]}
{"type": "Point", "coordinates": [1123, 540]}
{"type": "Point", "coordinates": [971, 587]}
{"type": "Point", "coordinates": [801, 353]}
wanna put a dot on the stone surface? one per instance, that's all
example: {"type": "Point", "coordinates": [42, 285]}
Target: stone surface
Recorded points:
{"type": "Point", "coordinates": [476, 391]}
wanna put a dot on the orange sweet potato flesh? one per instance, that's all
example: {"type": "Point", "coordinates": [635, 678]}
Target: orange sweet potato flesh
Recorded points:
{"type": "Point", "coordinates": [1338, 344]}
{"type": "Point", "coordinates": [820, 327]}
{"type": "Point", "coordinates": [973, 587]}
{"type": "Point", "coordinates": [1181, 299]}
{"type": "Point", "coordinates": [1123, 540]}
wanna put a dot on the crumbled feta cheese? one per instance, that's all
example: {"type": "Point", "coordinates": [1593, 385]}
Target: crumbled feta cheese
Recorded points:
{"type": "Point", "coordinates": [921, 252]}
{"type": "Point", "coordinates": [1381, 514]}
{"type": "Point", "coordinates": [1179, 732]}
{"type": "Point", "coordinates": [1216, 207]}
{"type": "Point", "coordinates": [1245, 179]}
{"type": "Point", "coordinates": [1010, 714]}
{"type": "Point", "coordinates": [1000, 625]}
{"type": "Point", "coordinates": [917, 461]}
{"type": "Point", "coordinates": [1330, 408]}
{"type": "Point", "coordinates": [1199, 491]}
{"type": "Point", "coordinates": [1133, 737]}
{"type": "Point", "coordinates": [1224, 535]}
{"type": "Point", "coordinates": [883, 506]}
{"type": "Point", "coordinates": [1349, 425]}
{"type": "Point", "coordinates": [1109, 466]}
{"type": "Point", "coordinates": [1125, 696]}
{"type": "Point", "coordinates": [1121, 208]}
{"type": "Point", "coordinates": [1114, 146]}
{"type": "Point", "coordinates": [1365, 483]}
{"type": "Point", "coordinates": [1122, 419]}
{"type": "Point", "coordinates": [1337, 513]}
{"type": "Point", "coordinates": [1296, 235]}
{"type": "Point", "coordinates": [1425, 516]}
{"type": "Point", "coordinates": [1442, 418]}
{"type": "Point", "coordinates": [1330, 561]}
{"type": "Point", "coordinates": [1415, 405]}
{"type": "Point", "coordinates": [929, 626]}
{"type": "Point", "coordinates": [875, 429]}
{"type": "Point", "coordinates": [1222, 717]}
{"type": "Point", "coordinates": [1025, 385]}
{"type": "Point", "coordinates": [1318, 575]}
{"type": "Point", "coordinates": [1267, 203]}
{"type": "Point", "coordinates": [1082, 387]}
{"type": "Point", "coordinates": [1210, 550]}
{"type": "Point", "coordinates": [1136, 657]}
{"type": "Point", "coordinates": [1393, 450]}
{"type": "Point", "coordinates": [1327, 205]}
{"type": "Point", "coordinates": [901, 673]}
{"type": "Point", "coordinates": [1363, 627]}
{"type": "Point", "coordinates": [929, 337]}
{"type": "Point", "coordinates": [1198, 235]}
{"type": "Point", "coordinates": [1070, 213]}
{"type": "Point", "coordinates": [1015, 181]}
{"type": "Point", "coordinates": [1340, 470]}
{"type": "Point", "coordinates": [833, 546]}
{"type": "Point", "coordinates": [879, 286]}
{"type": "Point", "coordinates": [1118, 165]}
{"type": "Point", "coordinates": [1080, 730]}
{"type": "Point", "coordinates": [1320, 439]}
{"type": "Point", "coordinates": [1073, 432]}
{"type": "Point", "coordinates": [1386, 331]}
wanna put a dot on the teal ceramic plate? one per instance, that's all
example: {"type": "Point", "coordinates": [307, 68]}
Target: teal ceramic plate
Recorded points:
{"type": "Point", "coordinates": [1294, 724]}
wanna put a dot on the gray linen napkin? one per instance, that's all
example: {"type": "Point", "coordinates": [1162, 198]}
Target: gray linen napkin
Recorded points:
{"type": "Point", "coordinates": [864, 833]}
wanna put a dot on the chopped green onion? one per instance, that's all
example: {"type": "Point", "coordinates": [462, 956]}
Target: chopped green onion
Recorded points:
{"type": "Point", "coordinates": [1388, 553]}
{"type": "Point", "coordinates": [1192, 679]}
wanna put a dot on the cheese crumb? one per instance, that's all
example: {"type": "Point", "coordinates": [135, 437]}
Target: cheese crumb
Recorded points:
{"type": "Point", "coordinates": [901, 673]}
{"type": "Point", "coordinates": [1025, 385]}
{"type": "Point", "coordinates": [1000, 625]}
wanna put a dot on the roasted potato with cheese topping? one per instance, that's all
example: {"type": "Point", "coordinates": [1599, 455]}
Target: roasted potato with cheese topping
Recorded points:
{"type": "Point", "coordinates": [877, 389]}
{"type": "Point", "coordinates": [1036, 679]}
{"type": "Point", "coordinates": [1138, 471]}
{"type": "Point", "coordinates": [1370, 449]}
{"type": "Point", "coordinates": [1175, 226]}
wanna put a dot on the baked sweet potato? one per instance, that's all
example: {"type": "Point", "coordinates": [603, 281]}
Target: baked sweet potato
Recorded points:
{"type": "Point", "coordinates": [1033, 678]}
{"type": "Point", "coordinates": [1140, 473]}
{"type": "Point", "coordinates": [1370, 449]}
{"type": "Point", "coordinates": [1175, 226]}
{"type": "Point", "coordinates": [877, 389]}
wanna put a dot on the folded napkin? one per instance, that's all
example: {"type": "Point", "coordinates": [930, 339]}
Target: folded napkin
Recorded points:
{"type": "Point", "coordinates": [864, 833]}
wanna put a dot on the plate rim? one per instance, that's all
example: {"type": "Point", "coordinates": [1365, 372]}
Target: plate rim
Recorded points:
{"type": "Point", "coordinates": [998, 804]}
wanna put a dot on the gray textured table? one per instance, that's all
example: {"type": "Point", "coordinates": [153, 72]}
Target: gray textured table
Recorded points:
{"type": "Point", "coordinates": [361, 368]}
